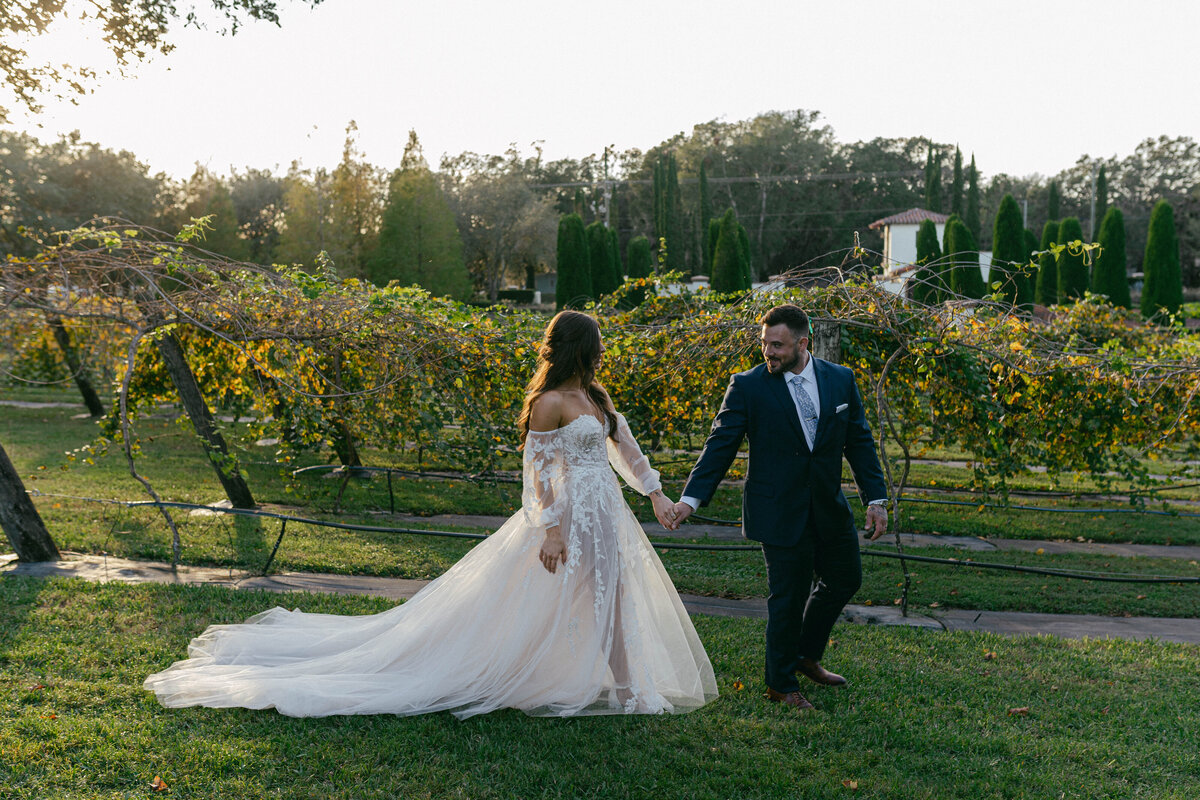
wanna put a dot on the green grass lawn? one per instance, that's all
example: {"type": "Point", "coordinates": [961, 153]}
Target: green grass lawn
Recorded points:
{"type": "Point", "coordinates": [38, 438]}
{"type": "Point", "coordinates": [928, 715]}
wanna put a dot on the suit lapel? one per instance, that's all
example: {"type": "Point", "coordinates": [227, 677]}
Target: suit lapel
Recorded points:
{"type": "Point", "coordinates": [778, 387]}
{"type": "Point", "coordinates": [824, 391]}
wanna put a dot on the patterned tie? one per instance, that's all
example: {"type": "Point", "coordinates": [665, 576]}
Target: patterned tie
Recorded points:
{"type": "Point", "coordinates": [808, 413]}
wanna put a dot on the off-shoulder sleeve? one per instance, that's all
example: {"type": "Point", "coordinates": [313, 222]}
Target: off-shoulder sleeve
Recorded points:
{"type": "Point", "coordinates": [629, 462]}
{"type": "Point", "coordinates": [542, 495]}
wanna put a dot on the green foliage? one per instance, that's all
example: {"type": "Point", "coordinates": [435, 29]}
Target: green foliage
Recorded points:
{"type": "Point", "coordinates": [1009, 254]}
{"type": "Point", "coordinates": [933, 180]}
{"type": "Point", "coordinates": [1163, 288]}
{"type": "Point", "coordinates": [956, 186]}
{"type": "Point", "coordinates": [1053, 201]}
{"type": "Point", "coordinates": [966, 280]}
{"type": "Point", "coordinates": [573, 288]}
{"type": "Point", "coordinates": [1046, 289]}
{"type": "Point", "coordinates": [1101, 202]}
{"type": "Point", "coordinates": [928, 284]}
{"type": "Point", "coordinates": [600, 257]}
{"type": "Point", "coordinates": [668, 211]}
{"type": "Point", "coordinates": [419, 243]}
{"type": "Point", "coordinates": [730, 270]}
{"type": "Point", "coordinates": [971, 216]}
{"type": "Point", "coordinates": [641, 265]}
{"type": "Point", "coordinates": [1072, 264]}
{"type": "Point", "coordinates": [1109, 277]}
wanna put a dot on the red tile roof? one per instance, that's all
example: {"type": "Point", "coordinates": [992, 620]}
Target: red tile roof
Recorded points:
{"type": "Point", "coordinates": [914, 216]}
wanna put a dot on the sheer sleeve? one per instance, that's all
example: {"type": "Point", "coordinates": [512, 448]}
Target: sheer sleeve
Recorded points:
{"type": "Point", "coordinates": [629, 462]}
{"type": "Point", "coordinates": [542, 495]}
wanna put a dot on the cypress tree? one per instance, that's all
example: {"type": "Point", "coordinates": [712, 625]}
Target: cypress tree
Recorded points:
{"type": "Point", "coordinates": [728, 272]}
{"type": "Point", "coordinates": [1072, 270]}
{"type": "Point", "coordinates": [574, 285]}
{"type": "Point", "coordinates": [926, 281]}
{"type": "Point", "coordinates": [1052, 201]}
{"type": "Point", "coordinates": [1029, 264]}
{"type": "Point", "coordinates": [714, 233]}
{"type": "Point", "coordinates": [579, 203]}
{"type": "Point", "coordinates": [1046, 289]}
{"type": "Point", "coordinates": [933, 181]}
{"type": "Point", "coordinates": [676, 240]}
{"type": "Point", "coordinates": [744, 252]}
{"type": "Point", "coordinates": [965, 277]}
{"type": "Point", "coordinates": [971, 217]}
{"type": "Point", "coordinates": [705, 219]}
{"type": "Point", "coordinates": [1101, 201]}
{"type": "Point", "coordinates": [946, 234]}
{"type": "Point", "coordinates": [1108, 275]}
{"type": "Point", "coordinates": [1163, 286]}
{"type": "Point", "coordinates": [1008, 242]}
{"type": "Point", "coordinates": [600, 260]}
{"type": "Point", "coordinates": [956, 188]}
{"type": "Point", "coordinates": [616, 268]}
{"type": "Point", "coordinates": [640, 265]}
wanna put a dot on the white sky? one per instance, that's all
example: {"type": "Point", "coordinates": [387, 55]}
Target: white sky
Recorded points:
{"type": "Point", "coordinates": [1028, 87]}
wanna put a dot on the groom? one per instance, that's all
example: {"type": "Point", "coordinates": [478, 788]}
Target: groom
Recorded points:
{"type": "Point", "coordinates": [802, 415]}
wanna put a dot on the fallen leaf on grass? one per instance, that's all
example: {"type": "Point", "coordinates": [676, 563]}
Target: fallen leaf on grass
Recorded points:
{"type": "Point", "coordinates": [37, 687]}
{"type": "Point", "coordinates": [1040, 551]}
{"type": "Point", "coordinates": [1141, 597]}
{"type": "Point", "coordinates": [897, 601]}
{"type": "Point", "coordinates": [158, 784]}
{"type": "Point", "coordinates": [1021, 711]}
{"type": "Point", "coordinates": [849, 784]}
{"type": "Point", "coordinates": [49, 716]}
{"type": "Point", "coordinates": [989, 655]}
{"type": "Point", "coordinates": [868, 603]}
{"type": "Point", "coordinates": [738, 686]}
{"type": "Point", "coordinates": [934, 605]}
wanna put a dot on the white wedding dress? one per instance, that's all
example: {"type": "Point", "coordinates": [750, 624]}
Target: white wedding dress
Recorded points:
{"type": "Point", "coordinates": [605, 634]}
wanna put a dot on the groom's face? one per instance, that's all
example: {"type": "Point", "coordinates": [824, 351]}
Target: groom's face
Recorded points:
{"type": "Point", "coordinates": [783, 350]}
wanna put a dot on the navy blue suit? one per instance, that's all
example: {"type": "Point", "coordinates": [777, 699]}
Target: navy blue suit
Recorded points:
{"type": "Point", "coordinates": [793, 502]}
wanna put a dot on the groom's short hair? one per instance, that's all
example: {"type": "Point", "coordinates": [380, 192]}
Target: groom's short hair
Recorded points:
{"type": "Point", "coordinates": [790, 315]}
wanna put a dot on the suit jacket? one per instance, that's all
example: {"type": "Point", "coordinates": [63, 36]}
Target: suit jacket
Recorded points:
{"type": "Point", "coordinates": [788, 487]}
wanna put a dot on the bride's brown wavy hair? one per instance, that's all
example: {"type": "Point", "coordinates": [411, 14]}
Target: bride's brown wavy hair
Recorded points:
{"type": "Point", "coordinates": [570, 348]}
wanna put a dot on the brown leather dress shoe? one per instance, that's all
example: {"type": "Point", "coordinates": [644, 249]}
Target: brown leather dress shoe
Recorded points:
{"type": "Point", "coordinates": [793, 699]}
{"type": "Point", "coordinates": [818, 674]}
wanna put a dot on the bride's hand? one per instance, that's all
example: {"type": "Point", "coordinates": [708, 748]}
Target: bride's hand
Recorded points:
{"type": "Point", "coordinates": [553, 549]}
{"type": "Point", "coordinates": [664, 510]}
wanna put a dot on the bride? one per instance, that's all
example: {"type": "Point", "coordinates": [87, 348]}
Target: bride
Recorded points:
{"type": "Point", "coordinates": [565, 610]}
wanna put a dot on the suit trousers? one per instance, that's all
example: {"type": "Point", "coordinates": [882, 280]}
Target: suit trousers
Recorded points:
{"type": "Point", "coordinates": [809, 583]}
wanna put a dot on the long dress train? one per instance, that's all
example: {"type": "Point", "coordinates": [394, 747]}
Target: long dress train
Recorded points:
{"type": "Point", "coordinates": [605, 634]}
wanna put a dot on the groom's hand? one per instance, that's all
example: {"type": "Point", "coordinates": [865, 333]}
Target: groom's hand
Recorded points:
{"type": "Point", "coordinates": [679, 513]}
{"type": "Point", "coordinates": [876, 521]}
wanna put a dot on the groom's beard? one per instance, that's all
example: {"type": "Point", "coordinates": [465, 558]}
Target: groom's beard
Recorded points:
{"type": "Point", "coordinates": [777, 366]}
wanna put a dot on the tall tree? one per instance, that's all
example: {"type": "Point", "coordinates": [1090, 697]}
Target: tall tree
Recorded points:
{"type": "Point", "coordinates": [616, 267]}
{"type": "Point", "coordinates": [1008, 245]}
{"type": "Point", "coordinates": [1108, 275]}
{"type": "Point", "coordinates": [600, 258]}
{"type": "Point", "coordinates": [927, 286]}
{"type": "Point", "coordinates": [729, 268]}
{"type": "Point", "coordinates": [1072, 267]}
{"type": "Point", "coordinates": [258, 201]}
{"type": "Point", "coordinates": [1163, 287]}
{"type": "Point", "coordinates": [306, 214]}
{"type": "Point", "coordinates": [1100, 202]}
{"type": "Point", "coordinates": [705, 217]}
{"type": "Point", "coordinates": [1046, 289]}
{"type": "Point", "coordinates": [933, 180]}
{"type": "Point", "coordinates": [956, 187]}
{"type": "Point", "coordinates": [419, 241]}
{"type": "Point", "coordinates": [966, 280]}
{"type": "Point", "coordinates": [354, 209]}
{"type": "Point", "coordinates": [971, 218]}
{"type": "Point", "coordinates": [640, 265]}
{"type": "Point", "coordinates": [1053, 201]}
{"type": "Point", "coordinates": [574, 285]}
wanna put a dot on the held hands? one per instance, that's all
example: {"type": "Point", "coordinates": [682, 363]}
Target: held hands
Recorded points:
{"type": "Point", "coordinates": [553, 549]}
{"type": "Point", "coordinates": [676, 515]}
{"type": "Point", "coordinates": [876, 521]}
{"type": "Point", "coordinates": [664, 510]}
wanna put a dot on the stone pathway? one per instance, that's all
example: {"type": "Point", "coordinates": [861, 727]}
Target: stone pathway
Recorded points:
{"type": "Point", "coordinates": [107, 568]}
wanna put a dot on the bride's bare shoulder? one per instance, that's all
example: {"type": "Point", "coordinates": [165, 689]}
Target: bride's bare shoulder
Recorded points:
{"type": "Point", "coordinates": [546, 413]}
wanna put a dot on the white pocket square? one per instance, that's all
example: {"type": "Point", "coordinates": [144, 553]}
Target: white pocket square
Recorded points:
{"type": "Point", "coordinates": [841, 408]}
